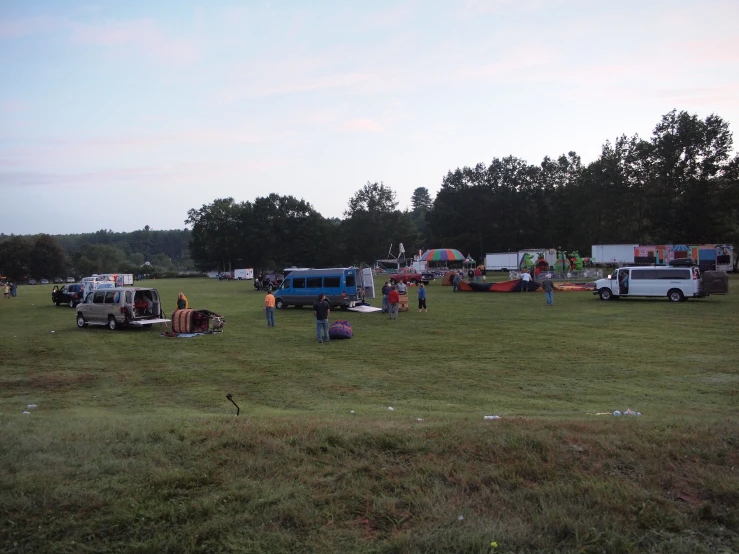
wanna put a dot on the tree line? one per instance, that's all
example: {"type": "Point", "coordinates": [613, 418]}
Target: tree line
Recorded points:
{"type": "Point", "coordinates": [681, 185]}
{"type": "Point", "coordinates": [143, 251]}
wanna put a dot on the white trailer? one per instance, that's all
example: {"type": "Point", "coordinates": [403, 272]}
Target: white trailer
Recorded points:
{"type": "Point", "coordinates": [613, 254]}
{"type": "Point", "coordinates": [243, 274]}
{"type": "Point", "coordinates": [502, 261]}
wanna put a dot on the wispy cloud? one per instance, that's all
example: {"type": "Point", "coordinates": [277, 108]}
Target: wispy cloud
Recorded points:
{"type": "Point", "coordinates": [364, 124]}
{"type": "Point", "coordinates": [142, 36]}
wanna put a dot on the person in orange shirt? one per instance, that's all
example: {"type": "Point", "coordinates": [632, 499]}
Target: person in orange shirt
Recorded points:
{"type": "Point", "coordinates": [269, 309]}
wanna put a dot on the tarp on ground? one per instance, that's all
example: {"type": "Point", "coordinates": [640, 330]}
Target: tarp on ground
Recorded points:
{"type": "Point", "coordinates": [517, 285]}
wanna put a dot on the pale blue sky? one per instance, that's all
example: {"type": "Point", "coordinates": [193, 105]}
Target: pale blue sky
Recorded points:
{"type": "Point", "coordinates": [183, 102]}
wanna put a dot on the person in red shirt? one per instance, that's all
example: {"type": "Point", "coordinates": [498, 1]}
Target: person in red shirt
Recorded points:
{"type": "Point", "coordinates": [393, 299]}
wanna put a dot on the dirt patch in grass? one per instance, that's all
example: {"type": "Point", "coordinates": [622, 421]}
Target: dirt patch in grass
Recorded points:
{"type": "Point", "coordinates": [54, 381]}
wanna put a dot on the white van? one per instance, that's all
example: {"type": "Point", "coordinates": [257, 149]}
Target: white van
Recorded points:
{"type": "Point", "coordinates": [676, 283]}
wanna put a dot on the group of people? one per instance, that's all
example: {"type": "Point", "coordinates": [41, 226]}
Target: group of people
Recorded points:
{"type": "Point", "coordinates": [391, 298]}
{"type": "Point", "coordinates": [9, 290]}
{"type": "Point", "coordinates": [547, 286]}
{"type": "Point", "coordinates": [321, 312]}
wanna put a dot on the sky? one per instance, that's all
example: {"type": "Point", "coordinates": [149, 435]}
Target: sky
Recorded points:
{"type": "Point", "coordinates": [116, 115]}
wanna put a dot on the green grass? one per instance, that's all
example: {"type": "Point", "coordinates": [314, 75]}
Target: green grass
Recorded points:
{"type": "Point", "coordinates": [134, 447]}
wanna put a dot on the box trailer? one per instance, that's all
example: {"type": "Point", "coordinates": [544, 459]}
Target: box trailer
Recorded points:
{"type": "Point", "coordinates": [243, 274]}
{"type": "Point", "coordinates": [502, 261]}
{"type": "Point", "coordinates": [613, 254]}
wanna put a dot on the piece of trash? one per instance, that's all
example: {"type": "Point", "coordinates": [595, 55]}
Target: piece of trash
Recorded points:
{"type": "Point", "coordinates": [352, 412]}
{"type": "Point", "coordinates": [460, 518]}
{"type": "Point", "coordinates": [617, 413]}
{"type": "Point", "coordinates": [632, 412]}
{"type": "Point", "coordinates": [491, 417]}
{"type": "Point", "coordinates": [31, 406]}
{"type": "Point", "coordinates": [390, 408]}
{"type": "Point", "coordinates": [51, 331]}
{"type": "Point", "coordinates": [26, 413]}
{"type": "Point", "coordinates": [419, 419]}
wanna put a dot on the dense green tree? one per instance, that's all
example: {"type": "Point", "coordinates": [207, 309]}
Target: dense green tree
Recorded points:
{"type": "Point", "coordinates": [15, 257]}
{"type": "Point", "coordinates": [47, 258]}
{"type": "Point", "coordinates": [373, 223]}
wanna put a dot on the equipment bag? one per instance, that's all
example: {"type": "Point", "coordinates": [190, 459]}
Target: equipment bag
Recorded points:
{"type": "Point", "coordinates": [340, 330]}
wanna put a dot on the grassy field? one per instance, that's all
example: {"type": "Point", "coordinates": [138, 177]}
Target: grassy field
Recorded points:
{"type": "Point", "coordinates": [133, 446]}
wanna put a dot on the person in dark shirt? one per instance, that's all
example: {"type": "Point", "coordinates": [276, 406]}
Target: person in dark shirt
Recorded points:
{"type": "Point", "coordinates": [385, 292]}
{"type": "Point", "coordinates": [548, 287]}
{"type": "Point", "coordinates": [394, 299]}
{"type": "Point", "coordinates": [321, 311]}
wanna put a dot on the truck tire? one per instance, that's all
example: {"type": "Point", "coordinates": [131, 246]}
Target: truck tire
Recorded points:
{"type": "Point", "coordinates": [605, 294]}
{"type": "Point", "coordinates": [675, 295]}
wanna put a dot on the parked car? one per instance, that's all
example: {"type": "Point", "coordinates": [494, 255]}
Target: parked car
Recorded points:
{"type": "Point", "coordinates": [57, 280]}
{"type": "Point", "coordinates": [225, 276]}
{"type": "Point", "coordinates": [119, 307]}
{"type": "Point", "coordinates": [31, 281]}
{"type": "Point", "coordinates": [68, 294]}
{"type": "Point", "coordinates": [70, 279]}
{"type": "Point", "coordinates": [44, 281]}
{"type": "Point", "coordinates": [270, 281]}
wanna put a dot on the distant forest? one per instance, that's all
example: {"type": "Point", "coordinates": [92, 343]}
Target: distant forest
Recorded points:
{"type": "Point", "coordinates": [680, 185]}
{"type": "Point", "coordinates": [145, 251]}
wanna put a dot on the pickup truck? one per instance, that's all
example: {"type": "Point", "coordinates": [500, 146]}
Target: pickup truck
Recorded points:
{"type": "Point", "coordinates": [412, 278]}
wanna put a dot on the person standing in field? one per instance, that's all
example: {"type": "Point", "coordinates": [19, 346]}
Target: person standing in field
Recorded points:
{"type": "Point", "coordinates": [385, 303]}
{"type": "Point", "coordinates": [13, 290]}
{"type": "Point", "coordinates": [6, 291]}
{"type": "Point", "coordinates": [181, 301]}
{"type": "Point", "coordinates": [394, 299]}
{"type": "Point", "coordinates": [321, 311]}
{"type": "Point", "coordinates": [525, 278]}
{"type": "Point", "coordinates": [548, 287]}
{"type": "Point", "coordinates": [455, 282]}
{"type": "Point", "coordinates": [401, 287]}
{"type": "Point", "coordinates": [269, 308]}
{"type": "Point", "coordinates": [422, 298]}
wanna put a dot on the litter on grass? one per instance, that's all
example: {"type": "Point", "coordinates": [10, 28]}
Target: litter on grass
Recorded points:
{"type": "Point", "coordinates": [491, 417]}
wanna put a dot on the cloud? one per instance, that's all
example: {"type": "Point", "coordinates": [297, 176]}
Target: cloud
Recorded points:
{"type": "Point", "coordinates": [13, 106]}
{"type": "Point", "coordinates": [142, 36]}
{"type": "Point", "coordinates": [24, 26]}
{"type": "Point", "coordinates": [363, 124]}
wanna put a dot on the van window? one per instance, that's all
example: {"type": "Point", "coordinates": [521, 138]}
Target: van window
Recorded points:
{"type": "Point", "coordinates": [98, 297]}
{"type": "Point", "coordinates": [674, 274]}
{"type": "Point", "coordinates": [332, 282]}
{"type": "Point", "coordinates": [350, 282]}
{"type": "Point", "coordinates": [314, 282]}
{"type": "Point", "coordinates": [129, 297]}
{"type": "Point", "coordinates": [285, 284]}
{"type": "Point", "coordinates": [640, 274]}
{"type": "Point", "coordinates": [299, 283]}
{"type": "Point", "coordinates": [109, 297]}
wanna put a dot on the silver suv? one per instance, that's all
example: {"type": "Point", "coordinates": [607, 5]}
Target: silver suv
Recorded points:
{"type": "Point", "coordinates": [118, 307]}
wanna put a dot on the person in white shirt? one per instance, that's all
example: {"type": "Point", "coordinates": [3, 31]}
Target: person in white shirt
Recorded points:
{"type": "Point", "coordinates": [525, 278]}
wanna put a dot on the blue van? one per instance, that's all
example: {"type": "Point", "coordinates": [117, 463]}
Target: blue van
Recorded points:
{"type": "Point", "coordinates": [301, 287]}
